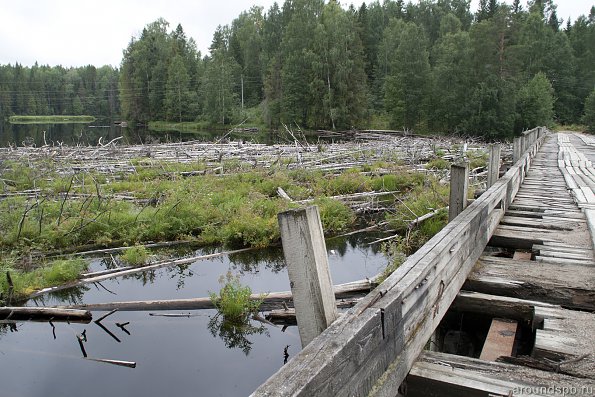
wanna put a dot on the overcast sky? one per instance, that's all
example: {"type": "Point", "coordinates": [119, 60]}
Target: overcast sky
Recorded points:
{"type": "Point", "coordinates": [83, 32]}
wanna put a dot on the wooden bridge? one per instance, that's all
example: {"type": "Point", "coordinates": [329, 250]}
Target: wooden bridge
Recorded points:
{"type": "Point", "coordinates": [517, 262]}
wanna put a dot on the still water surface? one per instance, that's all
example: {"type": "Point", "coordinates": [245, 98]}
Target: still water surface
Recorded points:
{"type": "Point", "coordinates": [89, 134]}
{"type": "Point", "coordinates": [176, 356]}
{"type": "Point", "coordinates": [187, 356]}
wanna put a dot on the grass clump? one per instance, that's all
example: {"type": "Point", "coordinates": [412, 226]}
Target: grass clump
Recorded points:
{"type": "Point", "coordinates": [50, 119]}
{"type": "Point", "coordinates": [335, 216]}
{"type": "Point", "coordinates": [234, 301]}
{"type": "Point", "coordinates": [477, 159]}
{"type": "Point", "coordinates": [54, 273]}
{"type": "Point", "coordinates": [135, 256]}
{"type": "Point", "coordinates": [396, 258]}
{"type": "Point", "coordinates": [438, 164]}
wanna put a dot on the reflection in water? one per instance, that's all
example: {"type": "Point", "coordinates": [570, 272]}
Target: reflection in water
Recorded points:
{"type": "Point", "coordinates": [250, 261]}
{"type": "Point", "coordinates": [235, 334]}
{"type": "Point", "coordinates": [70, 296]}
{"type": "Point", "coordinates": [84, 134]}
{"type": "Point", "coordinates": [184, 352]}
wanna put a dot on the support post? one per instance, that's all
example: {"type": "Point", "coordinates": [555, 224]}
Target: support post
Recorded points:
{"type": "Point", "coordinates": [459, 183]}
{"type": "Point", "coordinates": [494, 164]}
{"type": "Point", "coordinates": [516, 149]}
{"type": "Point", "coordinates": [307, 264]}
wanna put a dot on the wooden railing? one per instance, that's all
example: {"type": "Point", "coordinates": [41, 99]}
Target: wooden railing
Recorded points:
{"type": "Point", "coordinates": [370, 349]}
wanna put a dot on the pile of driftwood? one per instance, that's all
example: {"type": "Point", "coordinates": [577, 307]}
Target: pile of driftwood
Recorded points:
{"type": "Point", "coordinates": [368, 148]}
{"type": "Point", "coordinates": [364, 148]}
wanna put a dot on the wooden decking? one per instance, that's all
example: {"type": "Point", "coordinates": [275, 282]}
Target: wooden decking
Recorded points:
{"type": "Point", "coordinates": [537, 271]}
{"type": "Point", "coordinates": [541, 255]}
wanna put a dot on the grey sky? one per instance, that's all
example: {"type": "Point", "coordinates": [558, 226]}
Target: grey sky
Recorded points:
{"type": "Point", "coordinates": [82, 32]}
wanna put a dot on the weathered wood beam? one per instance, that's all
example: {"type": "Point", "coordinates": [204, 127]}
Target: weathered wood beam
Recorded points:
{"type": "Point", "coordinates": [555, 283]}
{"type": "Point", "coordinates": [459, 185]}
{"type": "Point", "coordinates": [20, 313]}
{"type": "Point", "coordinates": [500, 340]}
{"type": "Point", "coordinates": [493, 164]}
{"type": "Point", "coordinates": [446, 375]}
{"type": "Point", "coordinates": [306, 257]}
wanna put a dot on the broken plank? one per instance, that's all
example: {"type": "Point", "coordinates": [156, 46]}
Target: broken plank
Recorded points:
{"type": "Point", "coordinates": [547, 282]}
{"type": "Point", "coordinates": [565, 254]}
{"type": "Point", "coordinates": [541, 224]}
{"type": "Point", "coordinates": [446, 375]}
{"type": "Point", "coordinates": [565, 261]}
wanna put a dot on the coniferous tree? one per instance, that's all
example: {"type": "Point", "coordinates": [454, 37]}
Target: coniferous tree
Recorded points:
{"type": "Point", "coordinates": [301, 83]}
{"type": "Point", "coordinates": [451, 73]}
{"type": "Point", "coordinates": [220, 79]}
{"type": "Point", "coordinates": [589, 113]}
{"type": "Point", "coordinates": [407, 85]}
{"type": "Point", "coordinates": [177, 90]}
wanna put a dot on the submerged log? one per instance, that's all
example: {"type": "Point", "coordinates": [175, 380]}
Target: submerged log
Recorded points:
{"type": "Point", "coordinates": [45, 314]}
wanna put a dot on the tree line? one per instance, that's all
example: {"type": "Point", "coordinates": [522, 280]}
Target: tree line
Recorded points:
{"type": "Point", "coordinates": [45, 90]}
{"type": "Point", "coordinates": [433, 65]}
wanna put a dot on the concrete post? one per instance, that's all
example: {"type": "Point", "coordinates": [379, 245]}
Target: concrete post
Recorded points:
{"type": "Point", "coordinates": [494, 164]}
{"type": "Point", "coordinates": [459, 183]}
{"type": "Point", "coordinates": [305, 253]}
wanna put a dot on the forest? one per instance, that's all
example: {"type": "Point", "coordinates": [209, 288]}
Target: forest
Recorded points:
{"type": "Point", "coordinates": [433, 66]}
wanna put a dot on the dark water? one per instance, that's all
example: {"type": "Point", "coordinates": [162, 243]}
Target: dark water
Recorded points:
{"type": "Point", "coordinates": [175, 356]}
{"type": "Point", "coordinates": [89, 134]}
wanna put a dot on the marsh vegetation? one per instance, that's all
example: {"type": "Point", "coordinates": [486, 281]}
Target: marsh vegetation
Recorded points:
{"type": "Point", "coordinates": [59, 200]}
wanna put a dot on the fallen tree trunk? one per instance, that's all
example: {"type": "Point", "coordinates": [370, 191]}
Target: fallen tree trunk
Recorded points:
{"type": "Point", "coordinates": [273, 300]}
{"type": "Point", "coordinates": [45, 314]}
{"type": "Point", "coordinates": [128, 271]}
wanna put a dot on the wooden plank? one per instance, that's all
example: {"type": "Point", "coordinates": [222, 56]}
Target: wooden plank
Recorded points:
{"type": "Point", "coordinates": [493, 164]}
{"type": "Point", "coordinates": [500, 340]}
{"type": "Point", "coordinates": [497, 306]}
{"type": "Point", "coordinates": [459, 186]}
{"type": "Point", "coordinates": [564, 225]}
{"type": "Point", "coordinates": [522, 256]}
{"type": "Point", "coordinates": [566, 254]}
{"type": "Point", "coordinates": [554, 283]}
{"type": "Point", "coordinates": [586, 252]}
{"type": "Point", "coordinates": [565, 261]}
{"type": "Point", "coordinates": [393, 324]}
{"type": "Point", "coordinates": [446, 375]}
{"type": "Point", "coordinates": [590, 215]}
{"type": "Point", "coordinates": [563, 246]}
{"type": "Point", "coordinates": [566, 336]}
{"type": "Point", "coordinates": [305, 253]}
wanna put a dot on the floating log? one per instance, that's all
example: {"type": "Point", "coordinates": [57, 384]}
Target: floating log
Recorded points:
{"type": "Point", "coordinates": [129, 364]}
{"type": "Point", "coordinates": [128, 271]}
{"type": "Point", "coordinates": [273, 300]}
{"type": "Point", "coordinates": [45, 314]}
